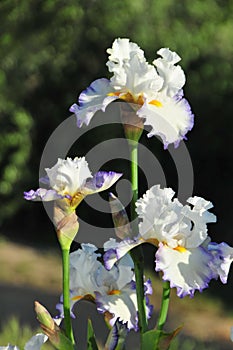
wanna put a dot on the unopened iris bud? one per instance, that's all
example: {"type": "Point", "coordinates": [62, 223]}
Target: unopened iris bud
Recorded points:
{"type": "Point", "coordinates": [51, 329]}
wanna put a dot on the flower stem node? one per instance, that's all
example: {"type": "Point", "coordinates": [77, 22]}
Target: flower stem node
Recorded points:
{"type": "Point", "coordinates": [132, 124]}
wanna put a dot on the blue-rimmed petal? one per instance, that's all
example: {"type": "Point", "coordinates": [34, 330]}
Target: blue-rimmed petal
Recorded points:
{"type": "Point", "coordinates": [114, 250]}
{"type": "Point", "coordinates": [100, 181]}
{"type": "Point", "coordinates": [41, 194]}
{"type": "Point", "coordinates": [186, 269]}
{"type": "Point", "coordinates": [122, 305]}
{"type": "Point", "coordinates": [222, 258]}
{"type": "Point", "coordinates": [94, 98]}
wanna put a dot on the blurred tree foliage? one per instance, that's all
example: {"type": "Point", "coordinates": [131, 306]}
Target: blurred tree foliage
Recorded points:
{"type": "Point", "coordinates": [51, 50]}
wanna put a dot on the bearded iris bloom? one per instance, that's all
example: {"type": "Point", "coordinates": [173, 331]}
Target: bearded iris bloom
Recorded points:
{"type": "Point", "coordinates": [186, 256]}
{"type": "Point", "coordinates": [113, 291]}
{"type": "Point", "coordinates": [155, 90]}
{"type": "Point", "coordinates": [69, 181]}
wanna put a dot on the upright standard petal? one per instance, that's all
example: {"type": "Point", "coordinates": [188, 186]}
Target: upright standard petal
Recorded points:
{"type": "Point", "coordinates": [68, 176]}
{"type": "Point", "coordinates": [120, 53]}
{"type": "Point", "coordinates": [96, 97]}
{"type": "Point", "coordinates": [166, 220]}
{"type": "Point", "coordinates": [173, 76]}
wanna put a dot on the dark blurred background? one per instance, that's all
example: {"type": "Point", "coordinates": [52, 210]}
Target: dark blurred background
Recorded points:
{"type": "Point", "coordinates": [51, 50]}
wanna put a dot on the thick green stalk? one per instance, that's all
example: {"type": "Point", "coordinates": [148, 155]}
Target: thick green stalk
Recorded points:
{"type": "Point", "coordinates": [164, 306]}
{"type": "Point", "coordinates": [66, 294]}
{"type": "Point", "coordinates": [137, 253]}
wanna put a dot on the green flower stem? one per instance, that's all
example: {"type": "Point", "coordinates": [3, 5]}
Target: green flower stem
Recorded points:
{"type": "Point", "coordinates": [66, 294]}
{"type": "Point", "coordinates": [137, 253]}
{"type": "Point", "coordinates": [164, 306]}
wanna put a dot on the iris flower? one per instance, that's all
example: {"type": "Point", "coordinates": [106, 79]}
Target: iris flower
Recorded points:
{"type": "Point", "coordinates": [155, 89]}
{"type": "Point", "coordinates": [69, 181]}
{"type": "Point", "coordinates": [185, 256]}
{"type": "Point", "coordinates": [113, 291]}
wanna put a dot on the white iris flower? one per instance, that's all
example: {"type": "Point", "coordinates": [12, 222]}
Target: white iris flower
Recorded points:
{"type": "Point", "coordinates": [185, 255]}
{"type": "Point", "coordinates": [113, 291]}
{"type": "Point", "coordinates": [70, 180]}
{"type": "Point", "coordinates": [156, 90]}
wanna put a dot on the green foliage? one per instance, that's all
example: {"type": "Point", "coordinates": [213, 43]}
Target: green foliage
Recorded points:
{"type": "Point", "coordinates": [158, 340]}
{"type": "Point", "coordinates": [91, 341]}
{"type": "Point", "coordinates": [51, 50]}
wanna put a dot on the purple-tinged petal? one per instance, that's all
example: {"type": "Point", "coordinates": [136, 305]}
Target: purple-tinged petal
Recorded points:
{"type": "Point", "coordinates": [222, 258]}
{"type": "Point", "coordinates": [117, 334]}
{"type": "Point", "coordinates": [41, 194]}
{"type": "Point", "coordinates": [186, 269]}
{"type": "Point", "coordinates": [100, 181]}
{"type": "Point", "coordinates": [110, 258]}
{"type": "Point", "coordinates": [96, 97]}
{"type": "Point", "coordinates": [45, 180]}
{"type": "Point", "coordinates": [116, 250]}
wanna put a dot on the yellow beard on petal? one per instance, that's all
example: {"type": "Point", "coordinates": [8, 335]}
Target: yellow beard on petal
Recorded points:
{"type": "Point", "coordinates": [180, 249]}
{"type": "Point", "coordinates": [156, 103]}
{"type": "Point", "coordinates": [128, 97]}
{"type": "Point", "coordinates": [76, 199]}
{"type": "Point", "coordinates": [88, 297]}
{"type": "Point", "coordinates": [114, 292]}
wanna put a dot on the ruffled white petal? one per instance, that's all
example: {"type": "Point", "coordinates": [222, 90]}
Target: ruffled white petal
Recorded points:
{"type": "Point", "coordinates": [138, 77]}
{"type": "Point", "coordinates": [199, 216]}
{"type": "Point", "coordinates": [168, 55]}
{"type": "Point", "coordinates": [100, 181]}
{"type": "Point", "coordinates": [93, 99]}
{"type": "Point", "coordinates": [9, 347]}
{"type": "Point", "coordinates": [171, 120]}
{"type": "Point", "coordinates": [120, 53]}
{"type": "Point", "coordinates": [164, 219]}
{"type": "Point", "coordinates": [187, 270]}
{"type": "Point", "coordinates": [122, 306]}
{"type": "Point", "coordinates": [160, 215]}
{"type": "Point", "coordinates": [84, 268]}
{"type": "Point", "coordinates": [173, 76]}
{"type": "Point", "coordinates": [68, 176]}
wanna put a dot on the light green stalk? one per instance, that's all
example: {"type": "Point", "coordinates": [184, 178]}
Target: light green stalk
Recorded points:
{"type": "Point", "coordinates": [137, 253]}
{"type": "Point", "coordinates": [163, 310]}
{"type": "Point", "coordinates": [66, 294]}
